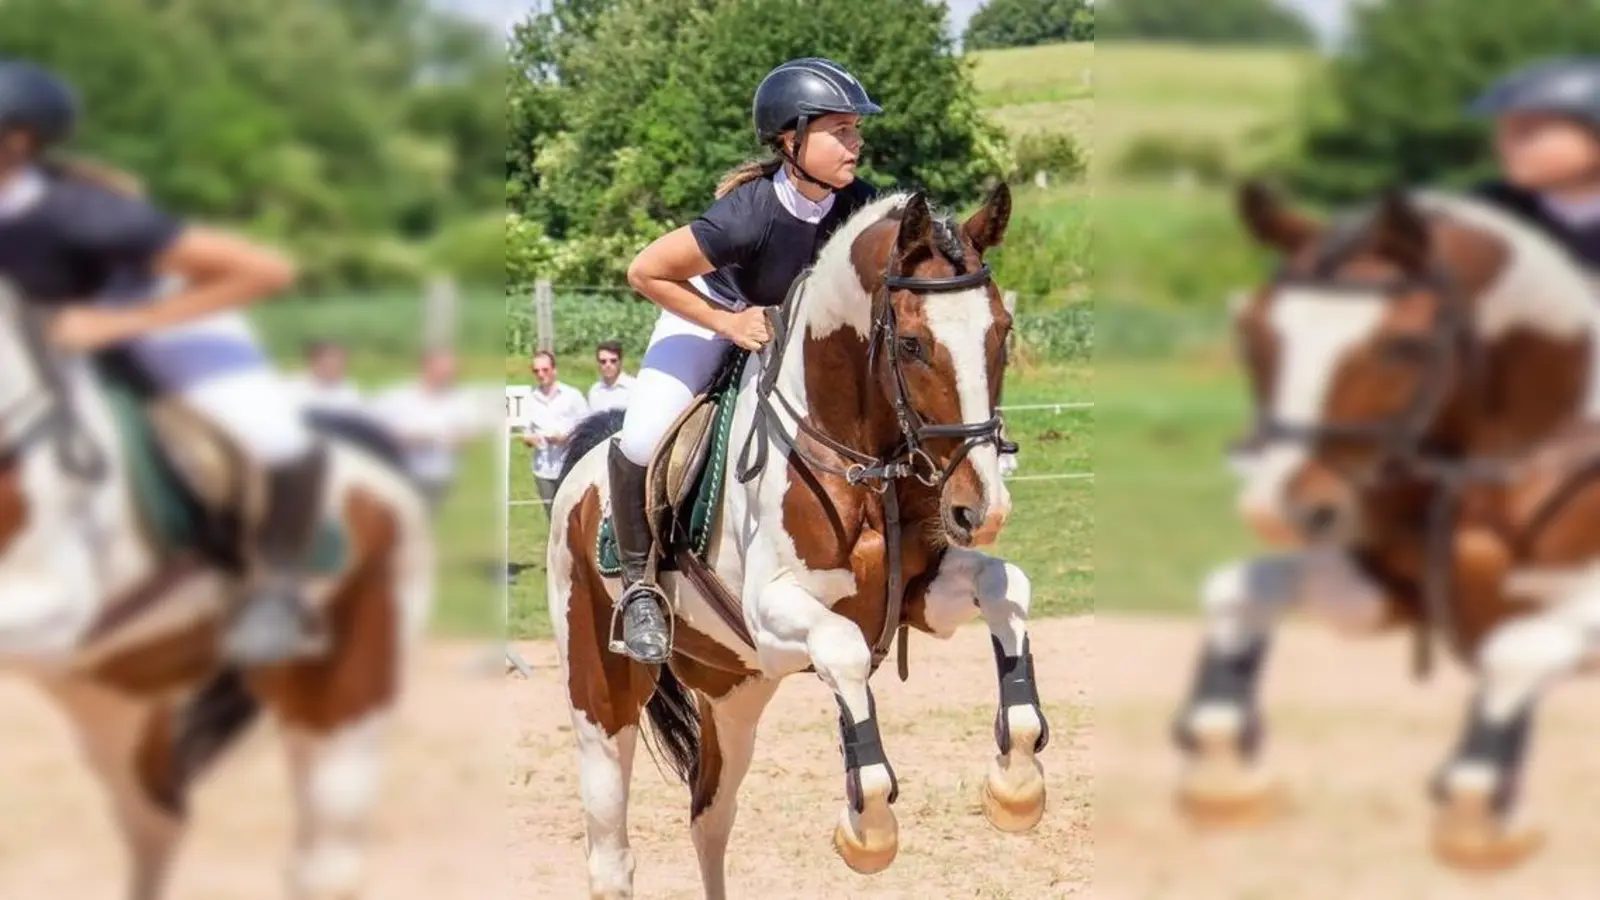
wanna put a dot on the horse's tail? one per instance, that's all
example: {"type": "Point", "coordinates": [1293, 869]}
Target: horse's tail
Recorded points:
{"type": "Point", "coordinates": [675, 723]}
{"type": "Point", "coordinates": [593, 431]}
{"type": "Point", "coordinates": [210, 722]}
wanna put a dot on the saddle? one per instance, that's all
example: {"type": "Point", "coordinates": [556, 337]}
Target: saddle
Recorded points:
{"type": "Point", "coordinates": [195, 491]}
{"type": "Point", "coordinates": [683, 487]}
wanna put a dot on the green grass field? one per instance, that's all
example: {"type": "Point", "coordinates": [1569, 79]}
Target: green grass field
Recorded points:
{"type": "Point", "coordinates": [1049, 88]}
{"type": "Point", "coordinates": [1051, 530]}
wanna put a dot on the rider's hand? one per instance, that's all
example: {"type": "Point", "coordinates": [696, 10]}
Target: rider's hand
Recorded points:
{"type": "Point", "coordinates": [747, 328]}
{"type": "Point", "coordinates": [85, 328]}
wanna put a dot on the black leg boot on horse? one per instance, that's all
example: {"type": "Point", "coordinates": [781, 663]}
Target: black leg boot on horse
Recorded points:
{"type": "Point", "coordinates": [642, 606]}
{"type": "Point", "coordinates": [273, 625]}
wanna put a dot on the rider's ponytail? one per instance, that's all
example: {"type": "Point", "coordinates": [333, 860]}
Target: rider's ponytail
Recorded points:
{"type": "Point", "coordinates": [78, 168]}
{"type": "Point", "coordinates": [748, 171]}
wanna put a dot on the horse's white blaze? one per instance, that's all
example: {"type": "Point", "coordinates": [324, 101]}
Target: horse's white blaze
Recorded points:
{"type": "Point", "coordinates": [960, 322]}
{"type": "Point", "coordinates": [1315, 331]}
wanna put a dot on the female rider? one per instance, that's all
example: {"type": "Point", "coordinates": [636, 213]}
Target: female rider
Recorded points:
{"type": "Point", "coordinates": [713, 277]}
{"type": "Point", "coordinates": [81, 242]}
{"type": "Point", "coordinates": [1547, 141]}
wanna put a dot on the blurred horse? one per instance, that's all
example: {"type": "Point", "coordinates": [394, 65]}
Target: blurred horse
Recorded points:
{"type": "Point", "coordinates": [120, 519]}
{"type": "Point", "coordinates": [1425, 389]}
{"type": "Point", "coordinates": [870, 473]}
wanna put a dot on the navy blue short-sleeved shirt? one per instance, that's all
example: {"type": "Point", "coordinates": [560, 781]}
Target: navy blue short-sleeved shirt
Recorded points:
{"type": "Point", "coordinates": [758, 246]}
{"type": "Point", "coordinates": [1582, 241]}
{"type": "Point", "coordinates": [78, 238]}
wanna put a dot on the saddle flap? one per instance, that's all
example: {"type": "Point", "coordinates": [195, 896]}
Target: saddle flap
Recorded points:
{"type": "Point", "coordinates": [671, 474]}
{"type": "Point", "coordinates": [205, 459]}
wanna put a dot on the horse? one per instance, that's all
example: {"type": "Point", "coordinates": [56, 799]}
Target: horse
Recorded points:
{"type": "Point", "coordinates": [116, 574]}
{"type": "Point", "coordinates": [868, 479]}
{"type": "Point", "coordinates": [1426, 394]}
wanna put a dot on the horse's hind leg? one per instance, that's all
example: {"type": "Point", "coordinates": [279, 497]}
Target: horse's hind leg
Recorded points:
{"type": "Point", "coordinates": [606, 694]}
{"type": "Point", "coordinates": [727, 741]}
{"type": "Point", "coordinates": [129, 741]}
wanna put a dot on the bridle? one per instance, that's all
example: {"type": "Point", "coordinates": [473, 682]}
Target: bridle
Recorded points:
{"type": "Point", "coordinates": [862, 469]}
{"type": "Point", "coordinates": [908, 459]}
{"type": "Point", "coordinates": [1407, 452]}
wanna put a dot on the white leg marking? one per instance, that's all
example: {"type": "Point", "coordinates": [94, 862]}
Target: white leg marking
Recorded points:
{"type": "Point", "coordinates": [605, 765]}
{"type": "Point", "coordinates": [336, 778]}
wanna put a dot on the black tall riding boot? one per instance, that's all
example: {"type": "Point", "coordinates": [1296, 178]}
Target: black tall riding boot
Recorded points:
{"type": "Point", "coordinates": [273, 624]}
{"type": "Point", "coordinates": [642, 605]}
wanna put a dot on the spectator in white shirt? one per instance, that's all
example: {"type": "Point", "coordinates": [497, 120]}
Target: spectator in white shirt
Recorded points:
{"type": "Point", "coordinates": [324, 386]}
{"type": "Point", "coordinates": [553, 410]}
{"type": "Point", "coordinates": [611, 391]}
{"type": "Point", "coordinates": [431, 417]}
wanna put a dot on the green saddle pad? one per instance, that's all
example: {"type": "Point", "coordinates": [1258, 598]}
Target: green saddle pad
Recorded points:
{"type": "Point", "coordinates": [707, 493]}
{"type": "Point", "coordinates": [175, 516]}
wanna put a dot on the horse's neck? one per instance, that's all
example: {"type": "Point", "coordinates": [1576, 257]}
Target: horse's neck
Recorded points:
{"type": "Point", "coordinates": [825, 376]}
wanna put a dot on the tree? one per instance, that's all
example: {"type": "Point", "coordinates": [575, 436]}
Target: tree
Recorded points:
{"type": "Point", "coordinates": [1025, 23]}
{"type": "Point", "coordinates": [598, 147]}
{"type": "Point", "coordinates": [335, 126]}
{"type": "Point", "coordinates": [1391, 107]}
{"type": "Point", "coordinates": [1261, 22]}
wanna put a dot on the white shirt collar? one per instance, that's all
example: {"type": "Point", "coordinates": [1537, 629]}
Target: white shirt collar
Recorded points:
{"type": "Point", "coordinates": [1577, 213]}
{"type": "Point", "coordinates": [23, 192]}
{"type": "Point", "coordinates": [799, 205]}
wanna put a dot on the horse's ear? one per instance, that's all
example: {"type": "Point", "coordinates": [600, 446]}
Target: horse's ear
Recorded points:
{"type": "Point", "coordinates": [1270, 221]}
{"type": "Point", "coordinates": [916, 226]}
{"type": "Point", "coordinates": [1400, 231]}
{"type": "Point", "coordinates": [987, 227]}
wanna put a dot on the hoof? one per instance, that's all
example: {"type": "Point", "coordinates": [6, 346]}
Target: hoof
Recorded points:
{"type": "Point", "coordinates": [1014, 792]}
{"type": "Point", "coordinates": [1468, 835]}
{"type": "Point", "coordinates": [868, 842]}
{"type": "Point", "coordinates": [1224, 789]}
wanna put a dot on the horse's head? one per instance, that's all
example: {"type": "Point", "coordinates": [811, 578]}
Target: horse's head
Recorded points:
{"type": "Point", "coordinates": [1360, 355]}
{"type": "Point", "coordinates": [940, 350]}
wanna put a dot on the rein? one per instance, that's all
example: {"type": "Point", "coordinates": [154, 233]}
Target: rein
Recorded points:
{"type": "Point", "coordinates": [862, 469]}
{"type": "Point", "coordinates": [76, 452]}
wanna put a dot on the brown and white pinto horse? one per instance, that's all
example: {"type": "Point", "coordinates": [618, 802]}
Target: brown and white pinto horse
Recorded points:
{"type": "Point", "coordinates": [1425, 384]}
{"type": "Point", "coordinates": [124, 639]}
{"type": "Point", "coordinates": [899, 308]}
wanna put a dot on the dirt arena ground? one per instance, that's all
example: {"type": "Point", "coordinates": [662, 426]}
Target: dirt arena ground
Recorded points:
{"type": "Point", "coordinates": [439, 831]}
{"type": "Point", "coordinates": [938, 734]}
{"type": "Point", "coordinates": [481, 796]}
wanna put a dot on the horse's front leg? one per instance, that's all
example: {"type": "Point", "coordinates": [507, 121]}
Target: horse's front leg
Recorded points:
{"type": "Point", "coordinates": [793, 627]}
{"type": "Point", "coordinates": [1480, 824]}
{"type": "Point", "coordinates": [1219, 728]}
{"type": "Point", "coordinates": [968, 582]}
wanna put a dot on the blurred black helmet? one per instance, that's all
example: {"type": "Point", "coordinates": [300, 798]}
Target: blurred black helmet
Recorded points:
{"type": "Point", "coordinates": [803, 89]}
{"type": "Point", "coordinates": [1569, 87]}
{"type": "Point", "coordinates": [34, 98]}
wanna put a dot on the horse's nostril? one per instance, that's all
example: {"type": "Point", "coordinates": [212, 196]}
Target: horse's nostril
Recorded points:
{"type": "Point", "coordinates": [967, 517]}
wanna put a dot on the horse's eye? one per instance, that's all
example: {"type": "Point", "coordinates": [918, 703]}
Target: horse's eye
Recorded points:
{"type": "Point", "coordinates": [911, 347]}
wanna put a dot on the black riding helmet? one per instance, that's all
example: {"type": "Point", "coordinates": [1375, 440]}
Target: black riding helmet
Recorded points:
{"type": "Point", "coordinates": [34, 98]}
{"type": "Point", "coordinates": [1568, 86]}
{"type": "Point", "coordinates": [798, 91]}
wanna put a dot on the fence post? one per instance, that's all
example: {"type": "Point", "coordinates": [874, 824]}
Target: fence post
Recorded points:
{"type": "Point", "coordinates": [439, 314]}
{"type": "Point", "coordinates": [544, 315]}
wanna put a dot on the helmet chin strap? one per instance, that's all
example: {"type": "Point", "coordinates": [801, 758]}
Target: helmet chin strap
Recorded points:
{"type": "Point", "coordinates": [794, 158]}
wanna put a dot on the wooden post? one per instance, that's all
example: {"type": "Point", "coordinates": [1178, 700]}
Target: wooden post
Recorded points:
{"type": "Point", "coordinates": [544, 315]}
{"type": "Point", "coordinates": [439, 314]}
